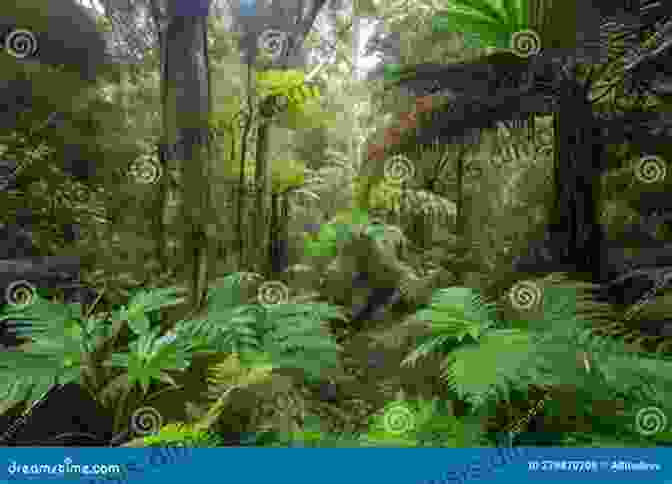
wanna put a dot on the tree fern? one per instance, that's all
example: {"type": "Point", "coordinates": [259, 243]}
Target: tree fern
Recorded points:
{"type": "Point", "coordinates": [489, 368]}
{"type": "Point", "coordinates": [230, 325]}
{"type": "Point", "coordinates": [57, 353]}
{"type": "Point", "coordinates": [453, 314]}
{"type": "Point", "coordinates": [487, 359]}
{"type": "Point", "coordinates": [615, 370]}
{"type": "Point", "coordinates": [232, 372]}
{"type": "Point", "coordinates": [291, 334]}
{"type": "Point", "coordinates": [63, 345]}
{"type": "Point", "coordinates": [149, 358]}
{"type": "Point", "coordinates": [296, 337]}
{"type": "Point", "coordinates": [419, 423]}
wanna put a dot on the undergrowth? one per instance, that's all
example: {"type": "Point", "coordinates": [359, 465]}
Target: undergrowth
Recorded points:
{"type": "Point", "coordinates": [486, 362]}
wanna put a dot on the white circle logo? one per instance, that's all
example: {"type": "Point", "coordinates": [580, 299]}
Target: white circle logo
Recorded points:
{"type": "Point", "coordinates": [21, 44]}
{"type": "Point", "coordinates": [650, 421]}
{"type": "Point", "coordinates": [146, 420]}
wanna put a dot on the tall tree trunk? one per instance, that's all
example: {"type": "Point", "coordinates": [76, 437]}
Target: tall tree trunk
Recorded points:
{"type": "Point", "coordinates": [262, 183]}
{"type": "Point", "coordinates": [574, 221]}
{"type": "Point", "coordinates": [163, 151]}
{"type": "Point", "coordinates": [303, 22]}
{"type": "Point", "coordinates": [186, 114]}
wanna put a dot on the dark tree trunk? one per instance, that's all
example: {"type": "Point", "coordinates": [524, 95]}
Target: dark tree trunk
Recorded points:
{"type": "Point", "coordinates": [578, 152]}
{"type": "Point", "coordinates": [186, 108]}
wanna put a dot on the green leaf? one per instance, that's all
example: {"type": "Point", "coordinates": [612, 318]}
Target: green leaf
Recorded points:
{"type": "Point", "coordinates": [138, 322]}
{"type": "Point", "coordinates": [154, 299]}
{"type": "Point", "coordinates": [491, 34]}
{"type": "Point", "coordinates": [360, 217]}
{"type": "Point", "coordinates": [376, 231]}
{"type": "Point", "coordinates": [380, 438]}
{"type": "Point", "coordinates": [476, 370]}
{"type": "Point", "coordinates": [484, 8]}
{"type": "Point", "coordinates": [517, 13]}
{"type": "Point", "coordinates": [392, 72]}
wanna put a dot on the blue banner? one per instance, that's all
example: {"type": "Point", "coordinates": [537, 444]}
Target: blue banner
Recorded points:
{"type": "Point", "coordinates": [331, 466]}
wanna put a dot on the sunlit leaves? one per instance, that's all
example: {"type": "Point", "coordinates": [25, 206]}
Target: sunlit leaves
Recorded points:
{"type": "Point", "coordinates": [493, 22]}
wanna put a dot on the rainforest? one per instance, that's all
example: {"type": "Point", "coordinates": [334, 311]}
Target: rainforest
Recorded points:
{"type": "Point", "coordinates": [391, 223]}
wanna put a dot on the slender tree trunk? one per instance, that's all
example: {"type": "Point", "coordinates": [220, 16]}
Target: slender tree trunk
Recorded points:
{"type": "Point", "coordinates": [163, 155]}
{"type": "Point", "coordinates": [459, 204]}
{"type": "Point", "coordinates": [262, 184]}
{"type": "Point", "coordinates": [574, 222]}
{"type": "Point", "coordinates": [186, 113]}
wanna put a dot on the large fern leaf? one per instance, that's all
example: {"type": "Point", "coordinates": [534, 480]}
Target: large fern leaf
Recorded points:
{"type": "Point", "coordinates": [230, 325]}
{"type": "Point", "coordinates": [453, 314]}
{"type": "Point", "coordinates": [298, 337]}
{"type": "Point", "coordinates": [55, 355]}
{"type": "Point", "coordinates": [237, 371]}
{"type": "Point", "coordinates": [478, 371]}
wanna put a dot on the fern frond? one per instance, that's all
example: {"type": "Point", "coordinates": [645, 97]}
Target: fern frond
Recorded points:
{"type": "Point", "coordinates": [181, 435]}
{"type": "Point", "coordinates": [478, 371]}
{"type": "Point", "coordinates": [60, 341]}
{"type": "Point", "coordinates": [230, 291]}
{"type": "Point", "coordinates": [236, 331]}
{"type": "Point", "coordinates": [453, 314]}
{"type": "Point", "coordinates": [230, 325]}
{"type": "Point", "coordinates": [154, 299]}
{"type": "Point", "coordinates": [299, 338]}
{"type": "Point", "coordinates": [237, 371]}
